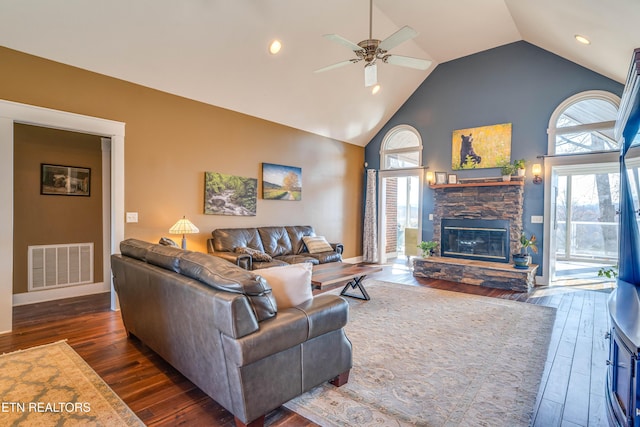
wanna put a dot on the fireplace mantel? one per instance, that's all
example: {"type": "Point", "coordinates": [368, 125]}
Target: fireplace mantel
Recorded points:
{"type": "Point", "coordinates": [478, 184]}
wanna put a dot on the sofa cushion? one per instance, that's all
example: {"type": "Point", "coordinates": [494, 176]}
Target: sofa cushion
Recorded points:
{"type": "Point", "coordinates": [317, 244]}
{"type": "Point", "coordinates": [224, 276]}
{"type": "Point", "coordinates": [296, 233]}
{"type": "Point", "coordinates": [165, 241]}
{"type": "Point", "coordinates": [324, 257]}
{"type": "Point", "coordinates": [227, 239]}
{"type": "Point", "coordinates": [135, 248]}
{"type": "Point", "coordinates": [297, 259]}
{"type": "Point", "coordinates": [165, 256]}
{"type": "Point", "coordinates": [275, 241]}
{"type": "Point", "coordinates": [255, 254]}
{"type": "Point", "coordinates": [291, 284]}
{"type": "Point", "coordinates": [258, 265]}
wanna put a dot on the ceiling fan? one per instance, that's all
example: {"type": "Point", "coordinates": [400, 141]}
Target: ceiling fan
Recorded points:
{"type": "Point", "coordinates": [371, 50]}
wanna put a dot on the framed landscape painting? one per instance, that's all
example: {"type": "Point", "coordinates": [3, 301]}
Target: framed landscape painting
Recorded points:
{"type": "Point", "coordinates": [281, 182]}
{"type": "Point", "coordinates": [230, 194]}
{"type": "Point", "coordinates": [65, 180]}
{"type": "Point", "coordinates": [481, 147]}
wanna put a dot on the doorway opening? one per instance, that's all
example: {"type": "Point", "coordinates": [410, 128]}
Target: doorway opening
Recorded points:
{"type": "Point", "coordinates": [401, 229]}
{"type": "Point", "coordinates": [12, 112]}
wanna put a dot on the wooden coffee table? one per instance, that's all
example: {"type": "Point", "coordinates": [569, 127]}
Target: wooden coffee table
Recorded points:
{"type": "Point", "coordinates": [334, 272]}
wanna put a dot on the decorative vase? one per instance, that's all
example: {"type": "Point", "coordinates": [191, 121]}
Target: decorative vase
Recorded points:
{"type": "Point", "coordinates": [520, 172]}
{"type": "Point", "coordinates": [521, 261]}
{"type": "Point", "coordinates": [506, 178]}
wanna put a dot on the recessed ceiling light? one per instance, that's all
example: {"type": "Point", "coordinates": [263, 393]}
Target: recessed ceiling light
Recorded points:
{"type": "Point", "coordinates": [275, 47]}
{"type": "Point", "coordinates": [375, 89]}
{"type": "Point", "coordinates": [582, 39]}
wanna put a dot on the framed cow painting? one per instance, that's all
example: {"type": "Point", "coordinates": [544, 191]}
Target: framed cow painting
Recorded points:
{"type": "Point", "coordinates": [481, 148]}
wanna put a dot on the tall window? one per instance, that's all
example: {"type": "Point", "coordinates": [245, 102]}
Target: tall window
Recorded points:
{"type": "Point", "coordinates": [584, 123]}
{"type": "Point", "coordinates": [401, 148]}
{"type": "Point", "coordinates": [584, 184]}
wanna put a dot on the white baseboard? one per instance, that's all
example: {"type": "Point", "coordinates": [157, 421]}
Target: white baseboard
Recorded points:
{"type": "Point", "coordinates": [60, 293]}
{"type": "Point", "coordinates": [541, 280]}
{"type": "Point", "coordinates": [354, 260]}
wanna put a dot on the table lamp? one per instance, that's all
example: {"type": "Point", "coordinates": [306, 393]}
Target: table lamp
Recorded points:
{"type": "Point", "coordinates": [183, 226]}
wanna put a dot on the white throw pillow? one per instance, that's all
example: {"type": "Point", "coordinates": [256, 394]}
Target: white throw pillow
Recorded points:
{"type": "Point", "coordinates": [317, 244]}
{"type": "Point", "coordinates": [290, 284]}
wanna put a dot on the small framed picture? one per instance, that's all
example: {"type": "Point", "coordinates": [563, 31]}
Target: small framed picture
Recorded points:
{"type": "Point", "coordinates": [65, 180]}
{"type": "Point", "coordinates": [453, 178]}
{"type": "Point", "coordinates": [441, 178]}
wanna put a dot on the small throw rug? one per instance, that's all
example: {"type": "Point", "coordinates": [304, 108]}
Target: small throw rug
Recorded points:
{"type": "Point", "coordinates": [51, 385]}
{"type": "Point", "coordinates": [428, 357]}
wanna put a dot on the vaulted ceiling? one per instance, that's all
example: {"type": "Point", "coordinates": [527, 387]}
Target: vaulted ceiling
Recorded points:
{"type": "Point", "coordinates": [216, 51]}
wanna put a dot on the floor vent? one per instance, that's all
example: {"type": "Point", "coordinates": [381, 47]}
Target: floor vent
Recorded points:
{"type": "Point", "coordinates": [57, 266]}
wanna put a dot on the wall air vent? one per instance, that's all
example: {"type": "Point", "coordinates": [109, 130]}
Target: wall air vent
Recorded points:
{"type": "Point", "coordinates": [57, 266]}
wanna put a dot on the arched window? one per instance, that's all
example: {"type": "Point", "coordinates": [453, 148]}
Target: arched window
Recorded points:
{"type": "Point", "coordinates": [584, 123]}
{"type": "Point", "coordinates": [401, 148]}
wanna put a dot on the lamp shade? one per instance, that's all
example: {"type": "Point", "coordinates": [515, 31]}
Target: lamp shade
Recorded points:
{"type": "Point", "coordinates": [430, 177]}
{"type": "Point", "coordinates": [536, 169]}
{"type": "Point", "coordinates": [183, 226]}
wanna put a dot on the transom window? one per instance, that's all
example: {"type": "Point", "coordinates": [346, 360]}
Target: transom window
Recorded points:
{"type": "Point", "coordinates": [584, 123]}
{"type": "Point", "coordinates": [401, 148]}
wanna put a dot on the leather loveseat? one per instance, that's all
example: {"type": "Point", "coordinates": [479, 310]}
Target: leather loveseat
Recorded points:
{"type": "Point", "coordinates": [262, 247]}
{"type": "Point", "coordinates": [219, 325]}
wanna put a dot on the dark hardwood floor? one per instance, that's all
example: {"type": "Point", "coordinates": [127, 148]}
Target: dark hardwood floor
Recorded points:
{"type": "Point", "coordinates": [571, 393]}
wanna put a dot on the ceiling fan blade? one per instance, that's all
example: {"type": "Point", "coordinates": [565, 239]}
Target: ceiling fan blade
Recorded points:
{"type": "Point", "coordinates": [341, 40]}
{"type": "Point", "coordinates": [338, 65]}
{"type": "Point", "coordinates": [406, 61]}
{"type": "Point", "coordinates": [402, 35]}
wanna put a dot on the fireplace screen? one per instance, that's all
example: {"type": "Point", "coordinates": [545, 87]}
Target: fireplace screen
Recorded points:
{"type": "Point", "coordinates": [486, 240]}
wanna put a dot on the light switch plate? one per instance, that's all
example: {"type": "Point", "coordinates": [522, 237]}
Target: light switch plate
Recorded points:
{"type": "Point", "coordinates": [430, 217]}
{"type": "Point", "coordinates": [132, 216]}
{"type": "Point", "coordinates": [537, 219]}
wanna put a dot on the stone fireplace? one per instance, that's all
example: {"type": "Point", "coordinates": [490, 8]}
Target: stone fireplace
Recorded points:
{"type": "Point", "coordinates": [500, 203]}
{"type": "Point", "coordinates": [478, 226]}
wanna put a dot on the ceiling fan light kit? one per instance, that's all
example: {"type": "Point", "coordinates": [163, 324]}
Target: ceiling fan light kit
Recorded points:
{"type": "Point", "coordinates": [370, 75]}
{"type": "Point", "coordinates": [370, 50]}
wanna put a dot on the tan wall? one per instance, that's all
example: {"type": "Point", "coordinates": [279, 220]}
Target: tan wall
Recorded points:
{"type": "Point", "coordinates": [45, 219]}
{"type": "Point", "coordinates": [171, 142]}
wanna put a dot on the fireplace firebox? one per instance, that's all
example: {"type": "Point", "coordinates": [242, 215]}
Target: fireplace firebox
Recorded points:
{"type": "Point", "coordinates": [476, 239]}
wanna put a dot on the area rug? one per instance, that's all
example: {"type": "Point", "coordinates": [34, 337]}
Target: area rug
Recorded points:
{"type": "Point", "coordinates": [51, 385]}
{"type": "Point", "coordinates": [429, 357]}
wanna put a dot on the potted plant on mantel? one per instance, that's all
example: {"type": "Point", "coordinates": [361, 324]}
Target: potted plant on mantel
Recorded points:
{"type": "Point", "coordinates": [507, 169]}
{"type": "Point", "coordinates": [520, 166]}
{"type": "Point", "coordinates": [522, 259]}
{"type": "Point", "coordinates": [427, 248]}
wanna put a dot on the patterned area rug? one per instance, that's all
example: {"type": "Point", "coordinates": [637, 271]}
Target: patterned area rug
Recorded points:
{"type": "Point", "coordinates": [51, 385]}
{"type": "Point", "coordinates": [428, 357]}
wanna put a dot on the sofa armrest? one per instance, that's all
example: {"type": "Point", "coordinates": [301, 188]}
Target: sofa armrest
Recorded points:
{"type": "Point", "coordinates": [233, 315]}
{"type": "Point", "coordinates": [241, 260]}
{"type": "Point", "coordinates": [290, 327]}
{"type": "Point", "coordinates": [338, 247]}
{"type": "Point", "coordinates": [325, 313]}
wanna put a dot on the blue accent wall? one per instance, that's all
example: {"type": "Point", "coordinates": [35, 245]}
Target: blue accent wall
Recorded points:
{"type": "Point", "coordinates": [517, 83]}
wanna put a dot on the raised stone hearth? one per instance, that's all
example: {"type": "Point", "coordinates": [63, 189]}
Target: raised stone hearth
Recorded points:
{"type": "Point", "coordinates": [481, 273]}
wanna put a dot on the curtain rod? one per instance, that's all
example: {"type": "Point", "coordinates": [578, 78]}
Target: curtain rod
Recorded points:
{"type": "Point", "coordinates": [544, 156]}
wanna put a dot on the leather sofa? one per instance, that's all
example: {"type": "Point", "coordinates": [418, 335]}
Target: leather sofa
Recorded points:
{"type": "Point", "coordinates": [282, 245]}
{"type": "Point", "coordinates": [219, 325]}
